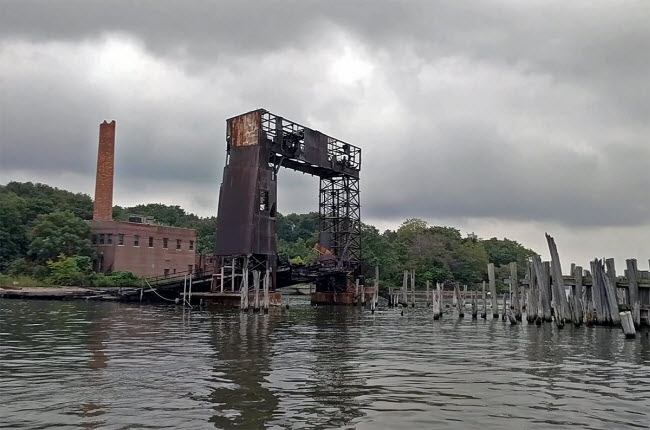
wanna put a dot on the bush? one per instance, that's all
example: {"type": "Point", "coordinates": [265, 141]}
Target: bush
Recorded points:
{"type": "Point", "coordinates": [69, 271]}
{"type": "Point", "coordinates": [124, 279]}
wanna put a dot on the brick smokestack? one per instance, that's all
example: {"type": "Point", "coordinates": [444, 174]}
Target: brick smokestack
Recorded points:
{"type": "Point", "coordinates": [103, 207]}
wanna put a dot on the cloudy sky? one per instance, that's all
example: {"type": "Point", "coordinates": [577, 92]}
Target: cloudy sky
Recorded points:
{"type": "Point", "coordinates": [503, 118]}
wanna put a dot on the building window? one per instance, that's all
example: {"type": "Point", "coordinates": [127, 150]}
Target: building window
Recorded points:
{"type": "Point", "coordinates": [150, 241]}
{"type": "Point", "coordinates": [120, 239]}
{"type": "Point", "coordinates": [166, 273]}
{"type": "Point", "coordinates": [165, 242]}
{"type": "Point", "coordinates": [189, 268]}
{"type": "Point", "coordinates": [264, 200]}
{"type": "Point", "coordinates": [178, 243]}
{"type": "Point", "coordinates": [191, 245]}
{"type": "Point", "coordinates": [102, 237]}
{"type": "Point", "coordinates": [109, 239]}
{"type": "Point", "coordinates": [93, 238]}
{"type": "Point", "coordinates": [136, 240]}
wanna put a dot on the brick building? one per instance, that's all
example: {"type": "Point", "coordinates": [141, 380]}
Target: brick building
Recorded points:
{"type": "Point", "coordinates": [138, 245]}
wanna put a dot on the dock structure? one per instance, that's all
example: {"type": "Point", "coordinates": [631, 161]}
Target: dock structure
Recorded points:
{"type": "Point", "coordinates": [258, 144]}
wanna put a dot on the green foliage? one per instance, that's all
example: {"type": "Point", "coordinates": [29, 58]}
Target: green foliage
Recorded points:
{"type": "Point", "coordinates": [57, 233]}
{"type": "Point", "coordinates": [68, 271]}
{"type": "Point", "coordinates": [42, 222]}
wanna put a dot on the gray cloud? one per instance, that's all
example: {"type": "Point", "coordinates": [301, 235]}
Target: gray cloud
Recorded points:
{"type": "Point", "coordinates": [530, 112]}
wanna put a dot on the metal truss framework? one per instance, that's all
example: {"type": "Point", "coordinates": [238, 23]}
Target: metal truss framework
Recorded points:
{"type": "Point", "coordinates": [259, 143]}
{"type": "Point", "coordinates": [340, 218]}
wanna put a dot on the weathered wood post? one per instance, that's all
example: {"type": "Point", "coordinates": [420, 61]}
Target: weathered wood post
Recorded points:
{"type": "Point", "coordinates": [256, 291]}
{"type": "Point", "coordinates": [514, 285]}
{"type": "Point", "coordinates": [484, 313]}
{"type": "Point", "coordinates": [578, 316]}
{"type": "Point", "coordinates": [413, 287]}
{"type": "Point", "coordinates": [505, 309]}
{"type": "Point", "coordinates": [434, 304]}
{"type": "Point", "coordinates": [375, 293]}
{"type": "Point", "coordinates": [559, 292]}
{"type": "Point", "coordinates": [404, 298]}
{"type": "Point", "coordinates": [459, 302]}
{"type": "Point", "coordinates": [633, 290]}
{"type": "Point", "coordinates": [542, 275]}
{"type": "Point", "coordinates": [474, 306]}
{"type": "Point", "coordinates": [441, 297]}
{"type": "Point", "coordinates": [610, 288]}
{"type": "Point", "coordinates": [244, 288]}
{"type": "Point", "coordinates": [493, 291]}
{"type": "Point", "coordinates": [427, 297]}
{"type": "Point", "coordinates": [464, 295]}
{"type": "Point", "coordinates": [232, 275]}
{"type": "Point", "coordinates": [184, 289]}
{"type": "Point", "coordinates": [627, 324]}
{"type": "Point", "coordinates": [221, 273]}
{"type": "Point", "coordinates": [598, 293]}
{"type": "Point", "coordinates": [266, 291]}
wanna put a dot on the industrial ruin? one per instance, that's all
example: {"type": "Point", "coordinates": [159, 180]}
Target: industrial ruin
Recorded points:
{"type": "Point", "coordinates": [258, 144]}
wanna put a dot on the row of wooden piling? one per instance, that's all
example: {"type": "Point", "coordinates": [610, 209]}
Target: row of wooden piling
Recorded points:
{"type": "Point", "coordinates": [259, 303]}
{"type": "Point", "coordinates": [597, 296]}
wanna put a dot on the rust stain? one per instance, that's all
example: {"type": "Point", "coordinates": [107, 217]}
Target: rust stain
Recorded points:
{"type": "Point", "coordinates": [246, 129]}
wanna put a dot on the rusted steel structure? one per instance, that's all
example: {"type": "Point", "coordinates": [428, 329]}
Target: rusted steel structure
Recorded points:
{"type": "Point", "coordinates": [259, 143]}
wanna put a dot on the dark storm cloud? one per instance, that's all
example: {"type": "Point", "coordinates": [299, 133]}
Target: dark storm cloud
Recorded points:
{"type": "Point", "coordinates": [514, 110]}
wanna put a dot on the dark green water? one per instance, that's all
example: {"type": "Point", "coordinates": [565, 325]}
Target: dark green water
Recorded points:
{"type": "Point", "coordinates": [108, 365]}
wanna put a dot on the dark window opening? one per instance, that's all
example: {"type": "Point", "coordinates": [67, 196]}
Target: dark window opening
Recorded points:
{"type": "Point", "coordinates": [136, 240]}
{"type": "Point", "coordinates": [191, 245]}
{"type": "Point", "coordinates": [120, 239]}
{"type": "Point", "coordinates": [166, 273]}
{"type": "Point", "coordinates": [150, 241]}
{"type": "Point", "coordinates": [189, 268]}
{"type": "Point", "coordinates": [273, 210]}
{"type": "Point", "coordinates": [178, 243]}
{"type": "Point", "coordinates": [264, 200]}
{"type": "Point", "coordinates": [109, 239]}
{"type": "Point", "coordinates": [102, 238]}
{"type": "Point", "coordinates": [165, 242]}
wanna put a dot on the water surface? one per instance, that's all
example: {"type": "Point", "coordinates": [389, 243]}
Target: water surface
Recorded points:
{"type": "Point", "coordinates": [109, 365]}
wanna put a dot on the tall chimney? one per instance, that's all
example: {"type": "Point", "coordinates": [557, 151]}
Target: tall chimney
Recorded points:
{"type": "Point", "coordinates": [103, 207]}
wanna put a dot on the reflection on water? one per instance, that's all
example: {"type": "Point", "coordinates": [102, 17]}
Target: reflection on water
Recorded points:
{"type": "Point", "coordinates": [110, 365]}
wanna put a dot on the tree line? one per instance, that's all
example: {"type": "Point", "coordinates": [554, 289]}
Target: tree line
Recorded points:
{"type": "Point", "coordinates": [45, 234]}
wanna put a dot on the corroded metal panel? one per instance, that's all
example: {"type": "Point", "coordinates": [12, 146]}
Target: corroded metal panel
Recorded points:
{"type": "Point", "coordinates": [245, 129]}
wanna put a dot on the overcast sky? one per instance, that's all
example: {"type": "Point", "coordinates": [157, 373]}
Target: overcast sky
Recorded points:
{"type": "Point", "coordinates": [503, 118]}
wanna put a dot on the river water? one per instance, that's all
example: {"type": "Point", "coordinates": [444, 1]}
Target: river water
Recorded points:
{"type": "Point", "coordinates": [109, 365]}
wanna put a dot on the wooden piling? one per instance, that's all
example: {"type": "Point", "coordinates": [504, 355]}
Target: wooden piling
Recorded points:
{"type": "Point", "coordinates": [221, 274]}
{"type": "Point", "coordinates": [266, 291]}
{"type": "Point", "coordinates": [404, 298]}
{"type": "Point", "coordinates": [375, 294]}
{"type": "Point", "coordinates": [633, 290]}
{"type": "Point", "coordinates": [514, 285]}
{"type": "Point", "coordinates": [610, 289]}
{"type": "Point", "coordinates": [428, 303]}
{"type": "Point", "coordinates": [493, 291]}
{"type": "Point", "coordinates": [559, 292]}
{"type": "Point", "coordinates": [505, 309]}
{"type": "Point", "coordinates": [484, 313]}
{"type": "Point", "coordinates": [542, 274]}
{"type": "Point", "coordinates": [474, 306]}
{"type": "Point", "coordinates": [578, 313]}
{"type": "Point", "coordinates": [459, 302]}
{"type": "Point", "coordinates": [413, 287]}
{"type": "Point", "coordinates": [256, 291]}
{"type": "Point", "coordinates": [627, 324]}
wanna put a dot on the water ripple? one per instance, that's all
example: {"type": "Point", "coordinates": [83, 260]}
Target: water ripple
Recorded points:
{"type": "Point", "coordinates": [115, 366]}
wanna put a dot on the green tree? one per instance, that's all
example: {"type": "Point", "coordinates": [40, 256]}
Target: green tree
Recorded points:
{"type": "Point", "coordinates": [13, 240]}
{"type": "Point", "coordinates": [59, 233]}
